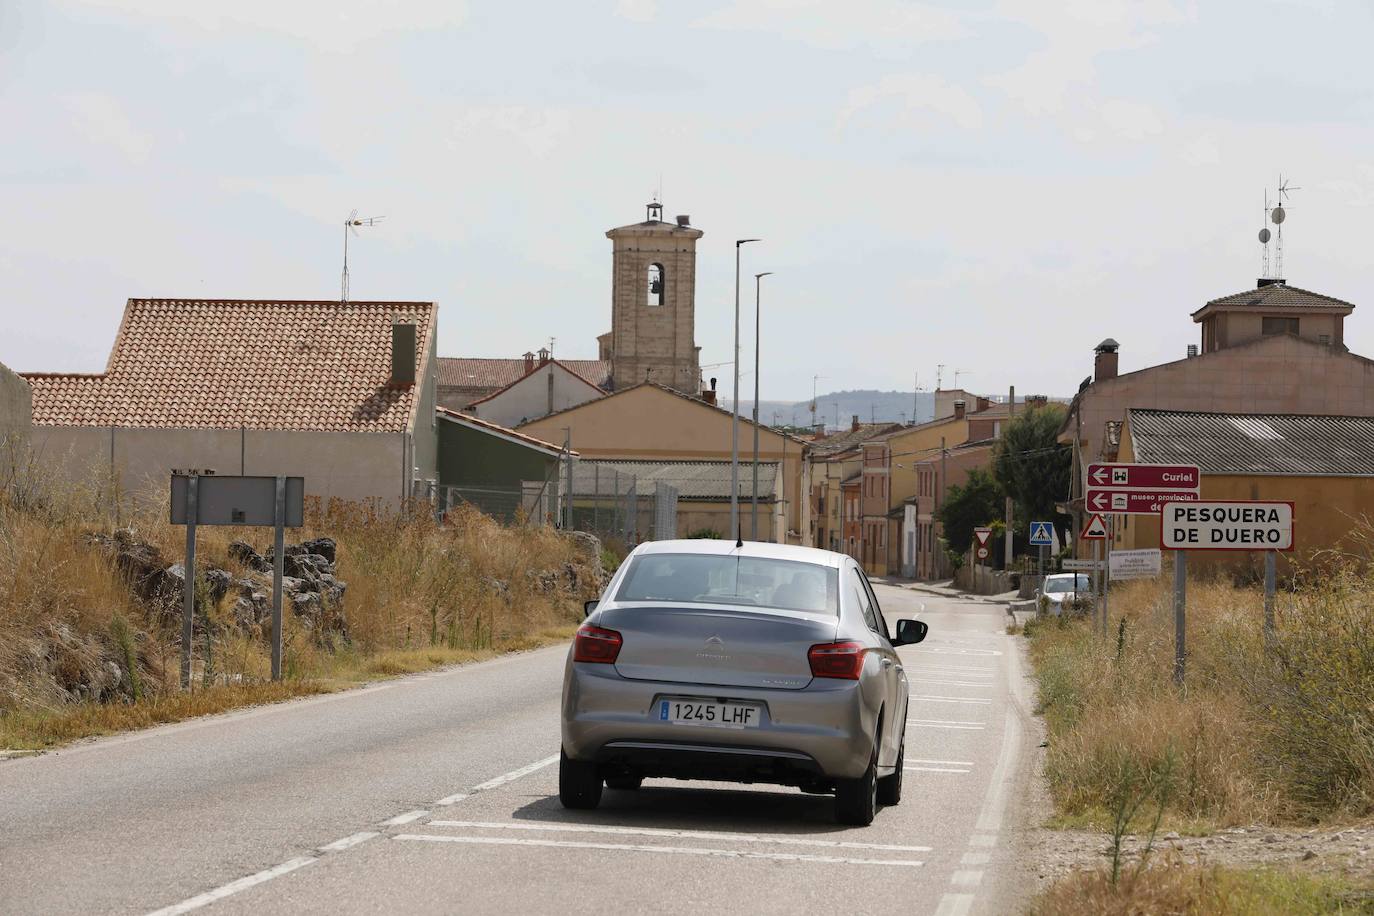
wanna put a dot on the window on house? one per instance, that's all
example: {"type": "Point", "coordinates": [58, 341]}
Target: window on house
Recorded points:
{"type": "Point", "coordinates": [1272, 326]}
{"type": "Point", "coordinates": [655, 284]}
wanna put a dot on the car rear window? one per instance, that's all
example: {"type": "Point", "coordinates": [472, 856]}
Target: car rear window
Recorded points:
{"type": "Point", "coordinates": [687, 578]}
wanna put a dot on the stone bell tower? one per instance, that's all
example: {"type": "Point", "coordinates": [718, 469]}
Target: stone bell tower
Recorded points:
{"type": "Point", "coordinates": [653, 304]}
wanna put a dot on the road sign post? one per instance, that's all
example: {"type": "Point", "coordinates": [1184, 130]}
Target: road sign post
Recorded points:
{"type": "Point", "coordinates": [1246, 525]}
{"type": "Point", "coordinates": [1180, 614]}
{"type": "Point", "coordinates": [209, 499]}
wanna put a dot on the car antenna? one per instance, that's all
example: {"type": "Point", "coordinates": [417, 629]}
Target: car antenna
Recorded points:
{"type": "Point", "coordinates": [739, 536]}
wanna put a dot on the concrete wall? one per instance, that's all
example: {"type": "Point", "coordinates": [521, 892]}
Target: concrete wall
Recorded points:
{"type": "Point", "coordinates": [424, 443]}
{"type": "Point", "coordinates": [1235, 328]}
{"type": "Point", "coordinates": [351, 466]}
{"type": "Point", "coordinates": [1274, 375]}
{"type": "Point", "coordinates": [16, 420]}
{"type": "Point", "coordinates": [548, 389]}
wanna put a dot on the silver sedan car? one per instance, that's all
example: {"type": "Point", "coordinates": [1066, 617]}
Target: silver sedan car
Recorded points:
{"type": "Point", "coordinates": [741, 663]}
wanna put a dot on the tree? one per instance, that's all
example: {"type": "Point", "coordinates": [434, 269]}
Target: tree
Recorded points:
{"type": "Point", "coordinates": [1030, 464]}
{"type": "Point", "coordinates": [977, 502]}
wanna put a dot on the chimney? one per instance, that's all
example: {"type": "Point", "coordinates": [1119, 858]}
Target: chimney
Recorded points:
{"type": "Point", "coordinates": [709, 395]}
{"type": "Point", "coordinates": [529, 363]}
{"type": "Point", "coordinates": [544, 355]}
{"type": "Point", "coordinates": [854, 424]}
{"type": "Point", "coordinates": [1192, 350]}
{"type": "Point", "coordinates": [683, 220]}
{"type": "Point", "coordinates": [1104, 366]}
{"type": "Point", "coordinates": [983, 404]}
{"type": "Point", "coordinates": [402, 353]}
{"type": "Point", "coordinates": [959, 407]}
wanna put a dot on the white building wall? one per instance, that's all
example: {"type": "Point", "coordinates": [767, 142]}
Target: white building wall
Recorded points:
{"type": "Point", "coordinates": [349, 466]}
{"type": "Point", "coordinates": [548, 389]}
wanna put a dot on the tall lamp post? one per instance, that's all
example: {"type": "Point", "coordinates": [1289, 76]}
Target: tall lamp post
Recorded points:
{"type": "Point", "coordinates": [754, 508]}
{"type": "Point", "coordinates": [734, 426]}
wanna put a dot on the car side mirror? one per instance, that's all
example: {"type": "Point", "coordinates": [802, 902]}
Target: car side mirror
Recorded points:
{"type": "Point", "coordinates": [910, 632]}
{"type": "Point", "coordinates": [589, 606]}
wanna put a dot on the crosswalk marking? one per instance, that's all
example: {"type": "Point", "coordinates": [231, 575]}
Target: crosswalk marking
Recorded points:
{"type": "Point", "coordinates": [662, 850]}
{"type": "Point", "coordinates": [779, 839]}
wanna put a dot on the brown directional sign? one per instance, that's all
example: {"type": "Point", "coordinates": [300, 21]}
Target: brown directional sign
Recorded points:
{"type": "Point", "coordinates": [1140, 489]}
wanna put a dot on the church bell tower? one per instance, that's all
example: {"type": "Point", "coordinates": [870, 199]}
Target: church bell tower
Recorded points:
{"type": "Point", "coordinates": [653, 303]}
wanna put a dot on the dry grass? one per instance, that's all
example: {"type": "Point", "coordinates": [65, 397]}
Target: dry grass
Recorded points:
{"type": "Point", "coordinates": [1172, 887]}
{"type": "Point", "coordinates": [1278, 733]}
{"type": "Point", "coordinates": [80, 655]}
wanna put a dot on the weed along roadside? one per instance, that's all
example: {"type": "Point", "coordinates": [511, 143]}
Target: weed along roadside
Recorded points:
{"type": "Point", "coordinates": [1252, 781]}
{"type": "Point", "coordinates": [91, 614]}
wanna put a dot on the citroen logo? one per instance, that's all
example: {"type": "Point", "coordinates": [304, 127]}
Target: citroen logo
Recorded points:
{"type": "Point", "coordinates": [715, 642]}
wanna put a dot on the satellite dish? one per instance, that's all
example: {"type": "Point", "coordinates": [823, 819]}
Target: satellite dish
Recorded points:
{"type": "Point", "coordinates": [1264, 236]}
{"type": "Point", "coordinates": [1277, 215]}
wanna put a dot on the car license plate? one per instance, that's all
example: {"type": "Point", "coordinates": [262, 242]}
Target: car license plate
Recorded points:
{"type": "Point", "coordinates": [709, 712]}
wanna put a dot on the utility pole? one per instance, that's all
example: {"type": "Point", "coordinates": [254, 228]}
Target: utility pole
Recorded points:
{"type": "Point", "coordinates": [758, 324]}
{"type": "Point", "coordinates": [734, 425]}
{"type": "Point", "coordinates": [1011, 413]}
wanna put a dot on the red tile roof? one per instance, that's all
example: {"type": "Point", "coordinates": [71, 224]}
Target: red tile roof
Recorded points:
{"type": "Point", "coordinates": [476, 372]}
{"type": "Point", "coordinates": [223, 364]}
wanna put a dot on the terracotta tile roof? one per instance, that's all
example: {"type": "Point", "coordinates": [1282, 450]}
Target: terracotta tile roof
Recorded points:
{"type": "Point", "coordinates": [223, 364]}
{"type": "Point", "coordinates": [839, 442]}
{"type": "Point", "coordinates": [476, 372]}
{"type": "Point", "coordinates": [1277, 296]}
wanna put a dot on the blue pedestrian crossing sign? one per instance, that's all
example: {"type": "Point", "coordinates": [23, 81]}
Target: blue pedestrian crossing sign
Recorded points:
{"type": "Point", "coordinates": [1041, 534]}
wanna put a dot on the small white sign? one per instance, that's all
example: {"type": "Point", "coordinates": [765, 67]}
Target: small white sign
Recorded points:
{"type": "Point", "coordinates": [1238, 525]}
{"type": "Point", "coordinates": [1079, 565]}
{"type": "Point", "coordinates": [1134, 564]}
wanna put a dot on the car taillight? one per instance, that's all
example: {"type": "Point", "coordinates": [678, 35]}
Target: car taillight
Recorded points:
{"type": "Point", "coordinates": [596, 644]}
{"type": "Point", "coordinates": [837, 659]}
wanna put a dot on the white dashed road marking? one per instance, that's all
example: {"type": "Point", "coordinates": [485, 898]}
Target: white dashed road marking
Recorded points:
{"type": "Point", "coordinates": [349, 841]}
{"type": "Point", "coordinates": [937, 699]}
{"type": "Point", "coordinates": [935, 769]}
{"type": "Point", "coordinates": [514, 774]}
{"type": "Point", "coordinates": [666, 850]}
{"type": "Point", "coordinates": [408, 817]}
{"type": "Point", "coordinates": [233, 887]}
{"type": "Point", "coordinates": [947, 763]}
{"type": "Point", "coordinates": [453, 799]}
{"type": "Point", "coordinates": [779, 839]}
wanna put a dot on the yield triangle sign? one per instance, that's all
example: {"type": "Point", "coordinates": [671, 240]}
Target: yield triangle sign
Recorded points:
{"type": "Point", "coordinates": [1095, 530]}
{"type": "Point", "coordinates": [982, 534]}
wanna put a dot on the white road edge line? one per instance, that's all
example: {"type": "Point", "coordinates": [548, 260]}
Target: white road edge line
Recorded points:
{"type": "Point", "coordinates": [779, 839]}
{"type": "Point", "coordinates": [966, 878]}
{"type": "Point", "coordinates": [406, 818]}
{"type": "Point", "coordinates": [966, 728]}
{"type": "Point", "coordinates": [935, 770]}
{"type": "Point", "coordinates": [349, 841]}
{"type": "Point", "coordinates": [946, 721]}
{"type": "Point", "coordinates": [233, 887]}
{"type": "Point", "coordinates": [514, 775]}
{"type": "Point", "coordinates": [669, 850]}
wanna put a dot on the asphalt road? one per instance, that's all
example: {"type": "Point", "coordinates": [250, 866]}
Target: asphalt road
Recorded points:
{"type": "Point", "coordinates": [439, 792]}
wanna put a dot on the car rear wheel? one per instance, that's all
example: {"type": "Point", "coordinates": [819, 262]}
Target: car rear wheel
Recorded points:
{"type": "Point", "coordinates": [856, 800]}
{"type": "Point", "coordinates": [624, 783]}
{"type": "Point", "coordinates": [579, 783]}
{"type": "Point", "coordinates": [890, 787]}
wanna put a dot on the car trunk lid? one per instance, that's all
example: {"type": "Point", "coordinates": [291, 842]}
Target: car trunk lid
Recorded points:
{"type": "Point", "coordinates": [718, 645]}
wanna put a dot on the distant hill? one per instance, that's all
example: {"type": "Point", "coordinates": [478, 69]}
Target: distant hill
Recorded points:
{"type": "Point", "coordinates": [870, 405]}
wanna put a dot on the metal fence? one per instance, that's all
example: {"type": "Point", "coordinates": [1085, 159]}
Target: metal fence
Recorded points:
{"type": "Point", "coordinates": [613, 504]}
{"type": "Point", "coordinates": [533, 502]}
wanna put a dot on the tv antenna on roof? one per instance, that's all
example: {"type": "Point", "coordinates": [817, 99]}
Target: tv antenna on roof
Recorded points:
{"type": "Point", "coordinates": [1277, 215]}
{"type": "Point", "coordinates": [1264, 237]}
{"type": "Point", "coordinates": [351, 226]}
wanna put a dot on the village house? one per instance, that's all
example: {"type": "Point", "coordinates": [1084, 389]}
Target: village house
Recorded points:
{"type": "Point", "coordinates": [1276, 349]}
{"type": "Point", "coordinates": [1322, 464]}
{"type": "Point", "coordinates": [340, 393]}
{"type": "Point", "coordinates": [829, 460]}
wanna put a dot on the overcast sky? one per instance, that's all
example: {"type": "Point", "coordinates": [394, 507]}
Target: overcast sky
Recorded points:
{"type": "Point", "coordinates": [992, 186]}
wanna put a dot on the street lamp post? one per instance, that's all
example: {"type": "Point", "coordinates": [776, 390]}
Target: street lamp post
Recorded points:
{"type": "Point", "coordinates": [754, 506]}
{"type": "Point", "coordinates": [734, 426]}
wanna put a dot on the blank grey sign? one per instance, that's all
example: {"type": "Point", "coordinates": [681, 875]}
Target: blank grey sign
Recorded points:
{"type": "Point", "coordinates": [238, 501]}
